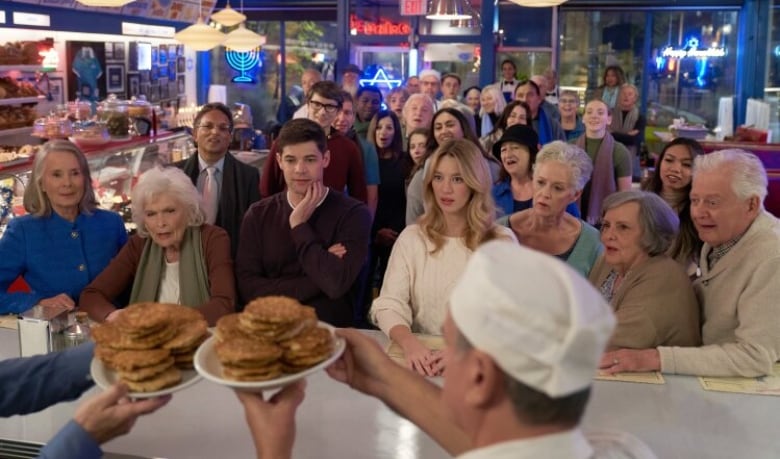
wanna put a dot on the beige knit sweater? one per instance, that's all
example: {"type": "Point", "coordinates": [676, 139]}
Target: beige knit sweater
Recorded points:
{"type": "Point", "coordinates": [740, 297]}
{"type": "Point", "coordinates": [417, 285]}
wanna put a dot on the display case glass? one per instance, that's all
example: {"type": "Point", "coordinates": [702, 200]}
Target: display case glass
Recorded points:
{"type": "Point", "coordinates": [114, 169]}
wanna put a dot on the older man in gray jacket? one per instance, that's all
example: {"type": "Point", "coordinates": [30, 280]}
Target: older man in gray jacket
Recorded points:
{"type": "Point", "coordinates": [737, 284]}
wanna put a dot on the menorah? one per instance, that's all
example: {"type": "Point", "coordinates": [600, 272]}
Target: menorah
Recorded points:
{"type": "Point", "coordinates": [243, 61]}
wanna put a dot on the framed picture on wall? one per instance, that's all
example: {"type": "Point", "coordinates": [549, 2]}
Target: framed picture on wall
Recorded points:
{"type": "Point", "coordinates": [181, 88]}
{"type": "Point", "coordinates": [173, 90]}
{"type": "Point", "coordinates": [115, 77]}
{"type": "Point", "coordinates": [181, 64]}
{"type": "Point", "coordinates": [57, 90]}
{"type": "Point", "coordinates": [172, 69]}
{"type": "Point", "coordinates": [133, 85]}
{"type": "Point", "coordinates": [109, 51]}
{"type": "Point", "coordinates": [119, 51]}
{"type": "Point", "coordinates": [85, 64]}
{"type": "Point", "coordinates": [146, 90]}
{"type": "Point", "coordinates": [154, 55]}
{"type": "Point", "coordinates": [180, 50]}
{"type": "Point", "coordinates": [154, 92]}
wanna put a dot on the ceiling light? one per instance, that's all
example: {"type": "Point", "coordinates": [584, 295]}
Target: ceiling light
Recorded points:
{"type": "Point", "coordinates": [538, 3]}
{"type": "Point", "coordinates": [243, 40]}
{"type": "Point", "coordinates": [228, 17]}
{"type": "Point", "coordinates": [200, 37]}
{"type": "Point", "coordinates": [473, 22]}
{"type": "Point", "coordinates": [447, 10]}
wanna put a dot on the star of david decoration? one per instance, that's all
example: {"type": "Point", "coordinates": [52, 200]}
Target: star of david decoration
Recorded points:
{"type": "Point", "coordinates": [380, 78]}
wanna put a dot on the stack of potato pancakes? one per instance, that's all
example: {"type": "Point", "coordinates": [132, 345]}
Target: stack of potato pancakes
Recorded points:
{"type": "Point", "coordinates": [272, 336]}
{"type": "Point", "coordinates": [150, 343]}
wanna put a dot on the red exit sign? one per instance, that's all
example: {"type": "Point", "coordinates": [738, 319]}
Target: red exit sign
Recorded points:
{"type": "Point", "coordinates": [413, 7]}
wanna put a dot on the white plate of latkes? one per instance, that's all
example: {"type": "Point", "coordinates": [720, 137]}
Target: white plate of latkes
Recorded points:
{"type": "Point", "coordinates": [207, 364]}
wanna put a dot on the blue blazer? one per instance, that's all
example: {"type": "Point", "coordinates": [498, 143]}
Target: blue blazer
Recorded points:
{"type": "Point", "coordinates": [56, 256]}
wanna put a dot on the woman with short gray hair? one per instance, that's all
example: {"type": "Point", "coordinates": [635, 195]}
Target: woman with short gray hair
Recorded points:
{"type": "Point", "coordinates": [64, 241]}
{"type": "Point", "coordinates": [560, 172]}
{"type": "Point", "coordinates": [174, 258]}
{"type": "Point", "coordinates": [650, 292]}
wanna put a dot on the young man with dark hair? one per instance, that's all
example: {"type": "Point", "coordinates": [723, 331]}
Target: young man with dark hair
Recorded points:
{"type": "Point", "coordinates": [227, 185]}
{"type": "Point", "coordinates": [345, 172]}
{"type": "Point", "coordinates": [309, 242]}
{"type": "Point", "coordinates": [367, 103]}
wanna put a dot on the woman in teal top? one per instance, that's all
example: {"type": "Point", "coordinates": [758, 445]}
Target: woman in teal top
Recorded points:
{"type": "Point", "coordinates": [560, 173]}
{"type": "Point", "coordinates": [65, 241]}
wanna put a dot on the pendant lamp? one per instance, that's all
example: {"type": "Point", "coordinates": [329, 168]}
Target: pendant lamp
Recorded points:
{"type": "Point", "coordinates": [473, 22]}
{"type": "Point", "coordinates": [243, 40]}
{"type": "Point", "coordinates": [105, 3]}
{"type": "Point", "coordinates": [200, 36]}
{"type": "Point", "coordinates": [228, 17]}
{"type": "Point", "coordinates": [447, 10]}
{"type": "Point", "coordinates": [538, 3]}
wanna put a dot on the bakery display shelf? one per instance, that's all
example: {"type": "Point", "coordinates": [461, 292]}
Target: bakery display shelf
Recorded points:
{"type": "Point", "coordinates": [20, 68]}
{"type": "Point", "coordinates": [21, 100]}
{"type": "Point", "coordinates": [26, 130]}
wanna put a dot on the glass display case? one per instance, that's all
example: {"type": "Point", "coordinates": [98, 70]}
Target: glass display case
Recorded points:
{"type": "Point", "coordinates": [114, 169]}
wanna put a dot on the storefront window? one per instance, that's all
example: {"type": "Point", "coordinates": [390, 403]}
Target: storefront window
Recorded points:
{"type": "Point", "coordinates": [528, 63]}
{"type": "Point", "coordinates": [308, 45]}
{"type": "Point", "coordinates": [592, 41]}
{"type": "Point", "coordinates": [694, 64]}
{"type": "Point", "coordinates": [772, 86]}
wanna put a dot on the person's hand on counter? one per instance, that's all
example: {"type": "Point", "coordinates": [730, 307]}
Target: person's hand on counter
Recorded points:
{"type": "Point", "coordinates": [111, 414]}
{"type": "Point", "coordinates": [272, 421]}
{"type": "Point", "coordinates": [60, 301]}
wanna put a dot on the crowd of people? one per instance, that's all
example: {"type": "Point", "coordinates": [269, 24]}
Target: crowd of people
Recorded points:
{"type": "Point", "coordinates": [420, 218]}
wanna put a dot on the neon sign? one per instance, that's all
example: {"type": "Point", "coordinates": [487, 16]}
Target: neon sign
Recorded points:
{"type": "Point", "coordinates": [243, 62]}
{"type": "Point", "coordinates": [691, 50]}
{"type": "Point", "coordinates": [380, 78]}
{"type": "Point", "coordinates": [51, 60]}
{"type": "Point", "coordinates": [358, 26]}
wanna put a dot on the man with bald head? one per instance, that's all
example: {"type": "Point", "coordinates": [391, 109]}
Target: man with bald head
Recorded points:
{"type": "Point", "coordinates": [548, 107]}
{"type": "Point", "coordinates": [308, 78]}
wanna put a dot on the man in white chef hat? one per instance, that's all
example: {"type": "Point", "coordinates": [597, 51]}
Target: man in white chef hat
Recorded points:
{"type": "Point", "coordinates": [522, 338]}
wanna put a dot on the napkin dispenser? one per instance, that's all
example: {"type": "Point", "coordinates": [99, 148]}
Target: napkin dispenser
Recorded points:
{"type": "Point", "coordinates": [41, 330]}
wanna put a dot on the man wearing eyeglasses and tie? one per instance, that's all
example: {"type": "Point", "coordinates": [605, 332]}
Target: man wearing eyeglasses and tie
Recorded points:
{"type": "Point", "coordinates": [228, 186]}
{"type": "Point", "coordinates": [345, 171]}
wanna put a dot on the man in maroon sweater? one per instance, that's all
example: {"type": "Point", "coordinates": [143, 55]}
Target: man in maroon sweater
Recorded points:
{"type": "Point", "coordinates": [309, 242]}
{"type": "Point", "coordinates": [345, 171]}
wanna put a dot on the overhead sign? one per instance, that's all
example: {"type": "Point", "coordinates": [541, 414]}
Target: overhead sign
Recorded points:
{"type": "Point", "coordinates": [147, 30]}
{"type": "Point", "coordinates": [30, 19]}
{"type": "Point", "coordinates": [413, 7]}
{"type": "Point", "coordinates": [691, 50]}
{"type": "Point", "coordinates": [359, 26]}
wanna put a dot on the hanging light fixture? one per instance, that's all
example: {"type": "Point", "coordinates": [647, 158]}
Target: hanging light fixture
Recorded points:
{"type": "Point", "coordinates": [538, 3]}
{"type": "Point", "coordinates": [473, 22]}
{"type": "Point", "coordinates": [228, 17]}
{"type": "Point", "coordinates": [105, 3]}
{"type": "Point", "coordinates": [447, 10]}
{"type": "Point", "coordinates": [243, 39]}
{"type": "Point", "coordinates": [200, 36]}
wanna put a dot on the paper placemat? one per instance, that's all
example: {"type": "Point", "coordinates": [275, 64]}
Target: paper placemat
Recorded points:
{"type": "Point", "coordinates": [394, 351]}
{"type": "Point", "coordinates": [650, 377]}
{"type": "Point", "coordinates": [9, 321]}
{"type": "Point", "coordinates": [762, 385]}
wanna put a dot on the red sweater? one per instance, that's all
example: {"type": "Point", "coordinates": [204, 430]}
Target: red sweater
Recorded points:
{"type": "Point", "coordinates": [344, 173]}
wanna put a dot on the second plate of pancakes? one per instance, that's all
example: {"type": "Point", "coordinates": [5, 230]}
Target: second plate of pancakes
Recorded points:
{"type": "Point", "coordinates": [209, 365]}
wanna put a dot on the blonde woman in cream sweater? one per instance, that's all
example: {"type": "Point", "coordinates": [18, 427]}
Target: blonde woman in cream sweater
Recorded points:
{"type": "Point", "coordinates": [429, 256]}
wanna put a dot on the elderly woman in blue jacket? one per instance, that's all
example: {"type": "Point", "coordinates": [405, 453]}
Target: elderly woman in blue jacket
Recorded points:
{"type": "Point", "coordinates": [65, 241]}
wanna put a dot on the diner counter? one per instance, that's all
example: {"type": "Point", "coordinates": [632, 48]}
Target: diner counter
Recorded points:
{"type": "Point", "coordinates": [677, 420]}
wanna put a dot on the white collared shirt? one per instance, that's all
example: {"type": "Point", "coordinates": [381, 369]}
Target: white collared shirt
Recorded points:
{"type": "Point", "coordinates": [571, 444]}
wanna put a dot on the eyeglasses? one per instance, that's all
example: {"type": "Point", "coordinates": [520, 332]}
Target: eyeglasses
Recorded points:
{"type": "Point", "coordinates": [223, 128]}
{"type": "Point", "coordinates": [317, 106]}
{"type": "Point", "coordinates": [567, 101]}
